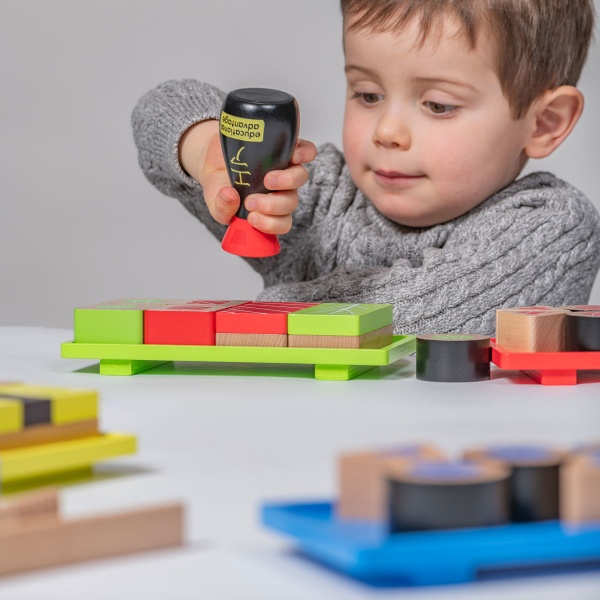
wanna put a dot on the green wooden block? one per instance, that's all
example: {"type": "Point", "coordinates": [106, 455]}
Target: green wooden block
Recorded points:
{"type": "Point", "coordinates": [114, 322]}
{"type": "Point", "coordinates": [332, 318]}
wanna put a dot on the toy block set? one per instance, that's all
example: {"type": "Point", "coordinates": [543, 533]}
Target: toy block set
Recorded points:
{"type": "Point", "coordinates": [549, 344]}
{"type": "Point", "coordinates": [410, 516]}
{"type": "Point", "coordinates": [342, 340]}
{"type": "Point", "coordinates": [46, 431]}
{"type": "Point", "coordinates": [34, 536]}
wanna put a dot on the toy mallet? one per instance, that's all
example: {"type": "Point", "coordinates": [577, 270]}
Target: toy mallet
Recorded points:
{"type": "Point", "coordinates": [259, 131]}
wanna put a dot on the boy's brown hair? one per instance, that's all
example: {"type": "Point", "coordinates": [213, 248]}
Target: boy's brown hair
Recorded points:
{"type": "Point", "coordinates": [541, 44]}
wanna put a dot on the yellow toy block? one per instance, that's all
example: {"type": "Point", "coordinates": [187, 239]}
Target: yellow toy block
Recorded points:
{"type": "Point", "coordinates": [67, 405]}
{"type": "Point", "coordinates": [11, 416]}
{"type": "Point", "coordinates": [43, 459]}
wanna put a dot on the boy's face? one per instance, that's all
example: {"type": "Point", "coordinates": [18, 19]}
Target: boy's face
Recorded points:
{"type": "Point", "coordinates": [428, 133]}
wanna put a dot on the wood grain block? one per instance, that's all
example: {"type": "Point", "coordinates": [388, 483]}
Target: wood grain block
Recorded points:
{"type": "Point", "coordinates": [41, 539]}
{"type": "Point", "coordinates": [189, 323]}
{"type": "Point", "coordinates": [118, 321]}
{"type": "Point", "coordinates": [258, 317]}
{"type": "Point", "coordinates": [373, 339]}
{"type": "Point", "coordinates": [46, 434]}
{"type": "Point", "coordinates": [340, 319]}
{"type": "Point", "coordinates": [531, 329]}
{"type": "Point", "coordinates": [276, 340]}
{"type": "Point", "coordinates": [362, 479]}
{"type": "Point", "coordinates": [580, 489]}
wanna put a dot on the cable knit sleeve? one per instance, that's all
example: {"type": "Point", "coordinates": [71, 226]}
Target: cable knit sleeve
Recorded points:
{"type": "Point", "coordinates": [159, 120]}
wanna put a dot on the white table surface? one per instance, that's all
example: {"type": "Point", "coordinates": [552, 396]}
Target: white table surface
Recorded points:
{"type": "Point", "coordinates": [224, 442]}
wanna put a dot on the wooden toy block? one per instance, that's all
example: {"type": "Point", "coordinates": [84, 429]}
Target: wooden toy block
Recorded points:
{"type": "Point", "coordinates": [340, 319]}
{"type": "Point", "coordinates": [533, 485]}
{"type": "Point", "coordinates": [258, 317]}
{"type": "Point", "coordinates": [46, 434]}
{"type": "Point", "coordinates": [453, 357]}
{"type": "Point", "coordinates": [580, 489]}
{"type": "Point", "coordinates": [275, 340]}
{"type": "Point", "coordinates": [71, 455]}
{"type": "Point", "coordinates": [52, 405]}
{"type": "Point", "coordinates": [118, 321]}
{"type": "Point", "coordinates": [11, 416]}
{"type": "Point", "coordinates": [14, 511]}
{"type": "Point", "coordinates": [42, 539]}
{"type": "Point", "coordinates": [583, 331]}
{"type": "Point", "coordinates": [362, 479]}
{"type": "Point", "coordinates": [373, 339]}
{"type": "Point", "coordinates": [190, 323]}
{"type": "Point", "coordinates": [531, 329]}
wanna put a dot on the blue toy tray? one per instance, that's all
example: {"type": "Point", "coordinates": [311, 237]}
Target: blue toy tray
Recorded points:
{"type": "Point", "coordinates": [367, 552]}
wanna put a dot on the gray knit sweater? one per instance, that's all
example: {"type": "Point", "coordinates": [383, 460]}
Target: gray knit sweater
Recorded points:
{"type": "Point", "coordinates": [535, 242]}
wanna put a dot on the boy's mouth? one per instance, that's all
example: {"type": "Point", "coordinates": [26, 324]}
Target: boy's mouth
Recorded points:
{"type": "Point", "coordinates": [394, 178]}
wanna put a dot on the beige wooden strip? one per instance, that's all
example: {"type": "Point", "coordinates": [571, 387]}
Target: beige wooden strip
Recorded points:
{"type": "Point", "coordinates": [44, 434]}
{"type": "Point", "coordinates": [15, 510]}
{"type": "Point", "coordinates": [277, 340]}
{"type": "Point", "coordinates": [373, 339]}
{"type": "Point", "coordinates": [41, 542]}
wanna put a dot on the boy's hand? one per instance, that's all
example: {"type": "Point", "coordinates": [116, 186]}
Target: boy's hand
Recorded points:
{"type": "Point", "coordinates": [201, 156]}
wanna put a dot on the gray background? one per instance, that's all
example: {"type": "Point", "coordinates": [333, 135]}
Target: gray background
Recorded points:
{"type": "Point", "coordinates": [80, 224]}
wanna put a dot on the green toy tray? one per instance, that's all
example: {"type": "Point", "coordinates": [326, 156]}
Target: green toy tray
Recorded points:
{"type": "Point", "coordinates": [330, 363]}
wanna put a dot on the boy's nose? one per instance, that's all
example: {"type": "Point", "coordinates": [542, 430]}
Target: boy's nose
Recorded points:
{"type": "Point", "coordinates": [392, 132]}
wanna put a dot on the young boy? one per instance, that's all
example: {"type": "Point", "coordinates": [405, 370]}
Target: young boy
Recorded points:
{"type": "Point", "coordinates": [446, 103]}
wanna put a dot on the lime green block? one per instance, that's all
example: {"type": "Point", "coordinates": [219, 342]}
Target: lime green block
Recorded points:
{"type": "Point", "coordinates": [340, 319]}
{"type": "Point", "coordinates": [114, 322]}
{"type": "Point", "coordinates": [66, 405]}
{"type": "Point", "coordinates": [11, 416]}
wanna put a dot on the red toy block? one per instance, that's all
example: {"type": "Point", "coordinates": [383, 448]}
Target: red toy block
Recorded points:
{"type": "Point", "coordinates": [547, 368]}
{"type": "Point", "coordinates": [258, 317]}
{"type": "Point", "coordinates": [188, 324]}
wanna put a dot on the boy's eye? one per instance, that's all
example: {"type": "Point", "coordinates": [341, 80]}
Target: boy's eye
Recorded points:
{"type": "Point", "coordinates": [368, 98]}
{"type": "Point", "coordinates": [438, 108]}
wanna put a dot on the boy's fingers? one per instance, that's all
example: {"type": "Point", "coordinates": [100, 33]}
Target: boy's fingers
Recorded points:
{"type": "Point", "coordinates": [289, 179]}
{"type": "Point", "coordinates": [276, 204]}
{"type": "Point", "coordinates": [222, 200]}
{"type": "Point", "coordinates": [270, 224]}
{"type": "Point", "coordinates": [305, 152]}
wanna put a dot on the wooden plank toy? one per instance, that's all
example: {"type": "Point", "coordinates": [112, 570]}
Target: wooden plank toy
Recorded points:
{"type": "Point", "coordinates": [34, 536]}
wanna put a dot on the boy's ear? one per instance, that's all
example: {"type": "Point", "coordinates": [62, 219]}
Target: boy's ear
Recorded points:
{"type": "Point", "coordinates": [555, 114]}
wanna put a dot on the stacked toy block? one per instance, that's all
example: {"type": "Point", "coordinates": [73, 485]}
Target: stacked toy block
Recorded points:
{"type": "Point", "coordinates": [410, 515]}
{"type": "Point", "coordinates": [256, 323]}
{"type": "Point", "coordinates": [45, 430]}
{"type": "Point", "coordinates": [235, 323]}
{"type": "Point", "coordinates": [339, 325]}
{"type": "Point", "coordinates": [549, 344]}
